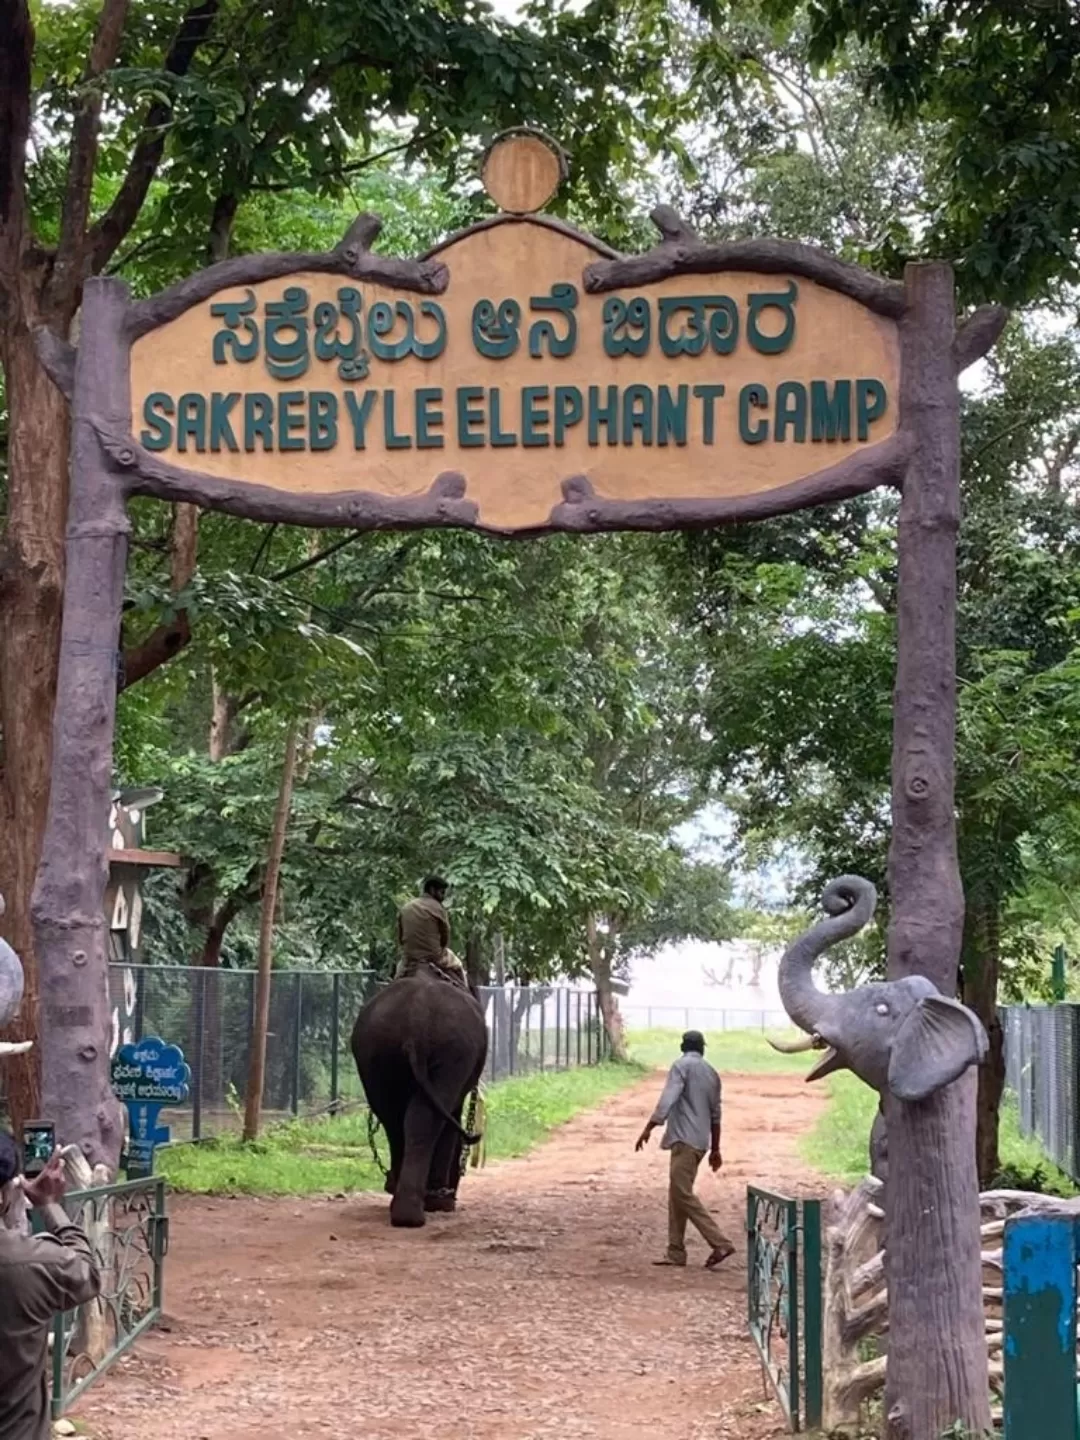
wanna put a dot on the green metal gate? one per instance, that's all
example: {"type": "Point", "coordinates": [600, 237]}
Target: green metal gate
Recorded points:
{"type": "Point", "coordinates": [783, 1289]}
{"type": "Point", "coordinates": [129, 1230]}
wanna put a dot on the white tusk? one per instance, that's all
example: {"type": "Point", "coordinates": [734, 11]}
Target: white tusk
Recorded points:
{"type": "Point", "coordinates": [797, 1047]}
{"type": "Point", "coordinates": [9, 1047]}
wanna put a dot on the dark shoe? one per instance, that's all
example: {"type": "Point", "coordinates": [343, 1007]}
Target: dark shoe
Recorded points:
{"type": "Point", "coordinates": [719, 1255]}
{"type": "Point", "coordinates": [674, 1264]}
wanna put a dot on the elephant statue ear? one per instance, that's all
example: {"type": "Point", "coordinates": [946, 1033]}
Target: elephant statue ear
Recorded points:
{"type": "Point", "coordinates": [11, 991]}
{"type": "Point", "coordinates": [935, 1045]}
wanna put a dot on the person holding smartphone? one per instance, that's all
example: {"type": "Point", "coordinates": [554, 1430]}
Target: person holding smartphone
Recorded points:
{"type": "Point", "coordinates": [40, 1275]}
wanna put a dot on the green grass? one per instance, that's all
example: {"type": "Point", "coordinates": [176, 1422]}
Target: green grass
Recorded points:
{"type": "Point", "coordinates": [328, 1156]}
{"type": "Point", "coordinates": [733, 1051]}
{"type": "Point", "coordinates": [837, 1147]}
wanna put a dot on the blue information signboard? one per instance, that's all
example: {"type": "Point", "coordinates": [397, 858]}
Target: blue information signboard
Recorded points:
{"type": "Point", "coordinates": [146, 1076]}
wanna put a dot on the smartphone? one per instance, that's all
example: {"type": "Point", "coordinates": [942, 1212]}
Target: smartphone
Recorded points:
{"type": "Point", "coordinates": [38, 1144]}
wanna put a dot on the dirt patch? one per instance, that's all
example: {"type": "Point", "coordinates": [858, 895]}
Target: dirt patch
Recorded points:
{"type": "Point", "coordinates": [534, 1313]}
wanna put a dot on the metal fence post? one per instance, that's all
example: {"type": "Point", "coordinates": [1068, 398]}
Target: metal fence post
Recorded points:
{"type": "Point", "coordinates": [811, 1213]}
{"type": "Point", "coordinates": [199, 1056]}
{"type": "Point", "coordinates": [335, 1039]}
{"type": "Point", "coordinates": [558, 1025]}
{"type": "Point", "coordinates": [1039, 1256]}
{"type": "Point", "coordinates": [543, 1023]}
{"type": "Point", "coordinates": [298, 1010]}
{"type": "Point", "coordinates": [579, 1029]}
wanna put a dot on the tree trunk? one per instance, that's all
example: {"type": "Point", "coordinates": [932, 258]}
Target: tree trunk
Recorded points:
{"type": "Point", "coordinates": [600, 962]}
{"type": "Point", "coordinates": [501, 1021]}
{"type": "Point", "coordinates": [31, 601]}
{"type": "Point", "coordinates": [981, 963]}
{"type": "Point", "coordinates": [257, 1062]}
{"type": "Point", "coordinates": [69, 893]}
{"type": "Point", "coordinates": [937, 1360]}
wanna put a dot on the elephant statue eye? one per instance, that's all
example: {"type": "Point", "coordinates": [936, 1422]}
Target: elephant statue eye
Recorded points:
{"type": "Point", "coordinates": [882, 1009]}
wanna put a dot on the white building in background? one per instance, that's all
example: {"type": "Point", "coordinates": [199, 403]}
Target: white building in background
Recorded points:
{"type": "Point", "coordinates": [706, 986]}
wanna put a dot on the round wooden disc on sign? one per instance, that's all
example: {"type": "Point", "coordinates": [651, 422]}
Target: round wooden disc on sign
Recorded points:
{"type": "Point", "coordinates": [522, 171]}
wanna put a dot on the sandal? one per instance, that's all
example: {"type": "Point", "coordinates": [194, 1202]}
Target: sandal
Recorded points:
{"type": "Point", "coordinates": [719, 1255]}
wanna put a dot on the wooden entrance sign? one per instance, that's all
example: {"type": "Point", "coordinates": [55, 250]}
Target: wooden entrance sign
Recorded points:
{"type": "Point", "coordinates": [524, 379]}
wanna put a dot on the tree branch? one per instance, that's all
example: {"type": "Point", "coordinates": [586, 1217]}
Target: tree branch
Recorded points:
{"type": "Point", "coordinates": [85, 130]}
{"type": "Point", "coordinates": [16, 50]}
{"type": "Point", "coordinates": [107, 233]}
{"type": "Point", "coordinates": [171, 637]}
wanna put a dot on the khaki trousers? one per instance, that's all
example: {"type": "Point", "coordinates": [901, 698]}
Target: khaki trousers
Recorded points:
{"type": "Point", "coordinates": [684, 1205]}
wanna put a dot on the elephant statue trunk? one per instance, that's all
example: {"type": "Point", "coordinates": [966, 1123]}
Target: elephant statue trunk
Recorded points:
{"type": "Point", "coordinates": [899, 1036]}
{"type": "Point", "coordinates": [11, 993]}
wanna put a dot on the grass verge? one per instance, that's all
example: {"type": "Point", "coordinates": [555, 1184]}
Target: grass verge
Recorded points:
{"type": "Point", "coordinates": [745, 1052]}
{"type": "Point", "coordinates": [331, 1155]}
{"type": "Point", "coordinates": [837, 1146]}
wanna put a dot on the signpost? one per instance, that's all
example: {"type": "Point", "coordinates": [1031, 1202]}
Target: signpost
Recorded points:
{"type": "Point", "coordinates": [523, 379]}
{"type": "Point", "coordinates": [146, 1076]}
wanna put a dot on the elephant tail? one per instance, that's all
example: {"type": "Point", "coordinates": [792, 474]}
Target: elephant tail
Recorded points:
{"type": "Point", "coordinates": [423, 1084]}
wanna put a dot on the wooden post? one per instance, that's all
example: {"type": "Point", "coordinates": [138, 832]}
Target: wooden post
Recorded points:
{"type": "Point", "coordinates": [68, 900]}
{"type": "Point", "coordinates": [937, 1367]}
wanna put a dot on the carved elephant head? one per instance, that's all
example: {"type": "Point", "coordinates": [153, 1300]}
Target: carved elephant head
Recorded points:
{"type": "Point", "coordinates": [900, 1036]}
{"type": "Point", "coordinates": [11, 990]}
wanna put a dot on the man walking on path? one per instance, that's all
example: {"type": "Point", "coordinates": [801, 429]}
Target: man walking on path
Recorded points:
{"type": "Point", "coordinates": [690, 1104]}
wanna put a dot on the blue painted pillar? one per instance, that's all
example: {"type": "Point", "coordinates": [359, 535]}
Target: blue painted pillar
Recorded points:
{"type": "Point", "coordinates": [1040, 1329]}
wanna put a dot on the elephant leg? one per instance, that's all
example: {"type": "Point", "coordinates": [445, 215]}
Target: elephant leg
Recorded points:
{"type": "Point", "coordinates": [445, 1169]}
{"type": "Point", "coordinates": [395, 1138]}
{"type": "Point", "coordinates": [422, 1128]}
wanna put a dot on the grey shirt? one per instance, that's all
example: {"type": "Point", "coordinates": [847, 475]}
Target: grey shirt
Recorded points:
{"type": "Point", "coordinates": [690, 1103]}
{"type": "Point", "coordinates": [39, 1275]}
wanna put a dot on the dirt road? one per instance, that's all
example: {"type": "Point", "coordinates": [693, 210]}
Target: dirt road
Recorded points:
{"type": "Point", "coordinates": [533, 1314]}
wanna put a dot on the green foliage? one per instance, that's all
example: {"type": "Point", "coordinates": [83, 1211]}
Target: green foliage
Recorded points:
{"type": "Point", "coordinates": [838, 1146]}
{"type": "Point", "coordinates": [329, 1156]}
{"type": "Point", "coordinates": [998, 84]}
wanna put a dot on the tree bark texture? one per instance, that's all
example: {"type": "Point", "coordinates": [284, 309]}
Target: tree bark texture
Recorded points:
{"type": "Point", "coordinates": [981, 965]}
{"type": "Point", "coordinates": [68, 899]}
{"type": "Point", "coordinates": [600, 962]}
{"type": "Point", "coordinates": [257, 1062]}
{"type": "Point", "coordinates": [31, 600]}
{"type": "Point", "coordinates": [937, 1366]}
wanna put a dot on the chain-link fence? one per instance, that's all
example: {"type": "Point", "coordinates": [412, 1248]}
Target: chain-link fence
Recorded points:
{"type": "Point", "coordinates": [309, 1068]}
{"type": "Point", "coordinates": [1042, 1059]}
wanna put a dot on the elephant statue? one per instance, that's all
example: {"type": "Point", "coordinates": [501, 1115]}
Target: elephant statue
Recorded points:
{"type": "Point", "coordinates": [11, 992]}
{"type": "Point", "coordinates": [899, 1036]}
{"type": "Point", "coordinates": [420, 1046]}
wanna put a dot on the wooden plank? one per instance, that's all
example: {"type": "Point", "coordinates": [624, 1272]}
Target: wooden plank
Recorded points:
{"type": "Point", "coordinates": [168, 859]}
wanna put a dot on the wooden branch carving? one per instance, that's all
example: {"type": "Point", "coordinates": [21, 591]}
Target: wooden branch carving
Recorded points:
{"type": "Point", "coordinates": [57, 359]}
{"type": "Point", "coordinates": [681, 252]}
{"type": "Point", "coordinates": [978, 334]}
{"type": "Point", "coordinates": [352, 258]}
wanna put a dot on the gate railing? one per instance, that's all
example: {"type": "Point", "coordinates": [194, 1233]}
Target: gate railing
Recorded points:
{"type": "Point", "coordinates": [128, 1231]}
{"type": "Point", "coordinates": [783, 1290]}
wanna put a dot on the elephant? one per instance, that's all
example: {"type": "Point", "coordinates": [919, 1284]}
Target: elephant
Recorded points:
{"type": "Point", "coordinates": [899, 1036]}
{"type": "Point", "coordinates": [420, 1046]}
{"type": "Point", "coordinates": [11, 993]}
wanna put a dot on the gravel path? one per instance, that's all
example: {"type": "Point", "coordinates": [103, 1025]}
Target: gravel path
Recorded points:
{"type": "Point", "coordinates": [534, 1313]}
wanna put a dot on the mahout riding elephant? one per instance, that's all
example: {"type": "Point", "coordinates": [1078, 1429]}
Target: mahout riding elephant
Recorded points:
{"type": "Point", "coordinates": [420, 1046]}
